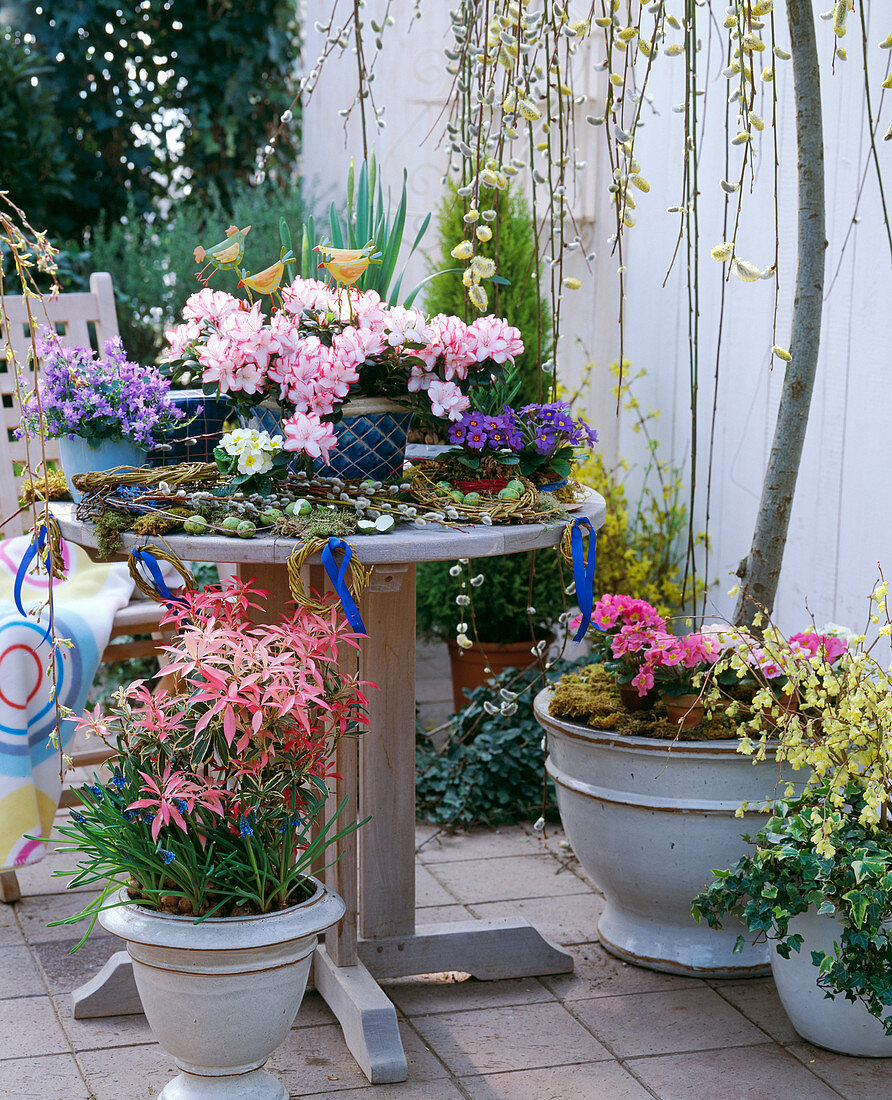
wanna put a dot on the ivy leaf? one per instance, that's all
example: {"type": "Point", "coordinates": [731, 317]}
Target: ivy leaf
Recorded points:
{"type": "Point", "coordinates": [858, 903]}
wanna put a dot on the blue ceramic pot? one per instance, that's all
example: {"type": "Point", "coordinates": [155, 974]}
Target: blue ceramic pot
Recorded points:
{"type": "Point", "coordinates": [194, 442]}
{"type": "Point", "coordinates": [371, 441]}
{"type": "Point", "coordinates": [371, 437]}
{"type": "Point", "coordinates": [79, 456]}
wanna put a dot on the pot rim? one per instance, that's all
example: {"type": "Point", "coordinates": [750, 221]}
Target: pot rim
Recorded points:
{"type": "Point", "coordinates": [137, 924]}
{"type": "Point", "coordinates": [719, 746]}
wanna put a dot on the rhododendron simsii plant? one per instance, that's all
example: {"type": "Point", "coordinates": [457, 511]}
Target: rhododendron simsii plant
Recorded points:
{"type": "Point", "coordinates": [215, 788]}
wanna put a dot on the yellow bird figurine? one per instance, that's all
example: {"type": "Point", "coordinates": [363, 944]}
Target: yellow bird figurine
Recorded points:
{"type": "Point", "coordinates": [346, 265]}
{"type": "Point", "coordinates": [225, 255]}
{"type": "Point", "coordinates": [269, 280]}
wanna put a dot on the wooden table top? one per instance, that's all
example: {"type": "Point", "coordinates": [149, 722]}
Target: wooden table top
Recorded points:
{"type": "Point", "coordinates": [406, 543]}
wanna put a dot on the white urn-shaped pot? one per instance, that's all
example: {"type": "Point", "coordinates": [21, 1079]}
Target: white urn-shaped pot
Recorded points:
{"type": "Point", "coordinates": [835, 1023]}
{"type": "Point", "coordinates": [649, 820]}
{"type": "Point", "coordinates": [221, 995]}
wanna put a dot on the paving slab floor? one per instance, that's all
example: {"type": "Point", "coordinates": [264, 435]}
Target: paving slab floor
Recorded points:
{"type": "Point", "coordinates": [609, 1031]}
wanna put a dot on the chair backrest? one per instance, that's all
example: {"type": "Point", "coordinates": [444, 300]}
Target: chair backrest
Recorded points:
{"type": "Point", "coordinates": [85, 319]}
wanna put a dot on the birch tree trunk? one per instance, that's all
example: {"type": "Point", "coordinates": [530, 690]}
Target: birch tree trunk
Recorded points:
{"type": "Point", "coordinates": [760, 570]}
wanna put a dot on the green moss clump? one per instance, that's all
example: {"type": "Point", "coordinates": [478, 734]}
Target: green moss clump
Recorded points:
{"type": "Point", "coordinates": [160, 523]}
{"type": "Point", "coordinates": [321, 523]}
{"type": "Point", "coordinates": [109, 527]}
{"type": "Point", "coordinates": [51, 486]}
{"type": "Point", "coordinates": [590, 698]}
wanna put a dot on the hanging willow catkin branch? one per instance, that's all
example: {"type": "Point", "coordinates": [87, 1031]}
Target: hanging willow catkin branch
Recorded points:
{"type": "Point", "coordinates": [760, 571]}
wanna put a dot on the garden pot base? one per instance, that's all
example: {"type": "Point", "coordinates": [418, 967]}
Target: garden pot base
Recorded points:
{"type": "Point", "coordinates": [696, 967]}
{"type": "Point", "coordinates": [257, 1084]}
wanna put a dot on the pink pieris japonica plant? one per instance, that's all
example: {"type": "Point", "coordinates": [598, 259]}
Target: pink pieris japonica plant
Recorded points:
{"type": "Point", "coordinates": [215, 788]}
{"type": "Point", "coordinates": [323, 347]}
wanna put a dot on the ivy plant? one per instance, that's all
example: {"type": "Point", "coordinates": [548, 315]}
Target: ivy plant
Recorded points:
{"type": "Point", "coordinates": [849, 876]}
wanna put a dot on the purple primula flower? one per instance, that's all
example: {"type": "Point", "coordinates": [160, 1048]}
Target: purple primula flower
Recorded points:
{"type": "Point", "coordinates": [99, 397]}
{"type": "Point", "coordinates": [476, 439]}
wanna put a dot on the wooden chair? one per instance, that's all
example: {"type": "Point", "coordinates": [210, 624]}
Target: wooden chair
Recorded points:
{"type": "Point", "coordinates": [86, 319]}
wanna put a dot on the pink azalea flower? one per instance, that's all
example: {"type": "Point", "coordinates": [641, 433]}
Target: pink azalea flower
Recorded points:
{"type": "Point", "coordinates": [493, 338]}
{"type": "Point", "coordinates": [210, 305]}
{"type": "Point", "coordinates": [447, 399]}
{"type": "Point", "coordinates": [306, 432]}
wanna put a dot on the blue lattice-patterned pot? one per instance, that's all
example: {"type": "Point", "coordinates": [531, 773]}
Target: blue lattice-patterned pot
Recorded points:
{"type": "Point", "coordinates": [194, 442]}
{"type": "Point", "coordinates": [371, 440]}
{"type": "Point", "coordinates": [371, 437]}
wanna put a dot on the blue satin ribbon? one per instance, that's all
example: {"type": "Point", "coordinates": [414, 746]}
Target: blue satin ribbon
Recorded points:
{"type": "Point", "coordinates": [38, 542]}
{"type": "Point", "coordinates": [143, 557]}
{"type": "Point", "coordinates": [583, 572]}
{"type": "Point", "coordinates": [337, 574]}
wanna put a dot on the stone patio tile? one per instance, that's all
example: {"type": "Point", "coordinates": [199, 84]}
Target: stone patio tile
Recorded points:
{"type": "Point", "coordinates": [436, 914]}
{"type": "Point", "coordinates": [510, 840]}
{"type": "Point", "coordinates": [428, 891]}
{"type": "Point", "coordinates": [757, 999]}
{"type": "Point", "coordinates": [666, 1023]}
{"type": "Point", "coordinates": [507, 878]}
{"type": "Point", "coordinates": [314, 1012]}
{"type": "Point", "coordinates": [565, 920]}
{"type": "Point", "coordinates": [10, 933]}
{"type": "Point", "coordinates": [595, 1081]}
{"type": "Point", "coordinates": [598, 974]}
{"type": "Point", "coordinates": [66, 971]}
{"type": "Point", "coordinates": [745, 1073]}
{"type": "Point", "coordinates": [489, 1040]}
{"type": "Point", "coordinates": [316, 1059]}
{"type": "Point", "coordinates": [28, 1028]}
{"type": "Point", "coordinates": [134, 1073]}
{"type": "Point", "coordinates": [432, 690]}
{"type": "Point", "coordinates": [854, 1078]}
{"type": "Point", "coordinates": [435, 993]}
{"type": "Point", "coordinates": [18, 974]}
{"type": "Point", "coordinates": [55, 1075]}
{"type": "Point", "coordinates": [103, 1032]}
{"type": "Point", "coordinates": [36, 912]}
{"type": "Point", "coordinates": [405, 1090]}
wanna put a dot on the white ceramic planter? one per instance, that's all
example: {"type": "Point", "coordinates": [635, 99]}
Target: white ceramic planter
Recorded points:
{"type": "Point", "coordinates": [837, 1024]}
{"type": "Point", "coordinates": [220, 996]}
{"type": "Point", "coordinates": [649, 820]}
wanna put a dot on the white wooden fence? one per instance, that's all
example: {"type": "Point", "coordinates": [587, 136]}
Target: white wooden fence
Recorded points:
{"type": "Point", "coordinates": [842, 518]}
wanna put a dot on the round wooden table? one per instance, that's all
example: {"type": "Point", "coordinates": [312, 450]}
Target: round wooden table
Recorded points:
{"type": "Point", "coordinates": [375, 874]}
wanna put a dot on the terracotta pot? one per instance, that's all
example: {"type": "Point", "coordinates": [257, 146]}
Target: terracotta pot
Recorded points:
{"type": "Point", "coordinates": [684, 711]}
{"type": "Point", "coordinates": [649, 819]}
{"type": "Point", "coordinates": [633, 701]}
{"type": "Point", "coordinates": [468, 665]}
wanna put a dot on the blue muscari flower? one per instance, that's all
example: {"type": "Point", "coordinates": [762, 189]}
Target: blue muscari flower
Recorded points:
{"type": "Point", "coordinates": [180, 805]}
{"type": "Point", "coordinates": [167, 857]}
{"type": "Point", "coordinates": [96, 792]}
{"type": "Point", "coordinates": [75, 816]}
{"type": "Point", "coordinates": [119, 781]}
{"type": "Point", "coordinates": [245, 827]}
{"type": "Point", "coordinates": [129, 815]}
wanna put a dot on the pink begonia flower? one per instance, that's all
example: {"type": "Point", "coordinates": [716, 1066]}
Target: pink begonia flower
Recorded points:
{"type": "Point", "coordinates": [308, 294]}
{"type": "Point", "coordinates": [419, 379]}
{"type": "Point", "coordinates": [181, 337]}
{"type": "Point", "coordinates": [405, 325]}
{"type": "Point", "coordinates": [306, 432]}
{"type": "Point", "coordinates": [354, 346]}
{"type": "Point", "coordinates": [447, 399]}
{"type": "Point", "coordinates": [493, 338]}
{"type": "Point", "coordinates": [220, 360]}
{"type": "Point", "coordinates": [249, 330]}
{"type": "Point", "coordinates": [369, 311]}
{"type": "Point", "coordinates": [210, 305]}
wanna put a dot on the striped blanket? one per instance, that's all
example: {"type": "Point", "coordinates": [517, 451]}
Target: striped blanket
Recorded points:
{"type": "Point", "coordinates": [84, 604]}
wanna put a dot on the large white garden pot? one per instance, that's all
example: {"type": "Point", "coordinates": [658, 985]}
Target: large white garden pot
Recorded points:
{"type": "Point", "coordinates": [220, 996]}
{"type": "Point", "coordinates": [649, 820]}
{"type": "Point", "coordinates": [837, 1024]}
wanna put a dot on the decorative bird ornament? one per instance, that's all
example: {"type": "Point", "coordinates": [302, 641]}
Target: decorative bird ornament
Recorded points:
{"type": "Point", "coordinates": [225, 255]}
{"type": "Point", "coordinates": [269, 280]}
{"type": "Point", "coordinates": [346, 265]}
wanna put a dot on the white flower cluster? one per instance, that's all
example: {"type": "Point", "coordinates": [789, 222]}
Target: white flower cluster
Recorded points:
{"type": "Point", "coordinates": [254, 449]}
